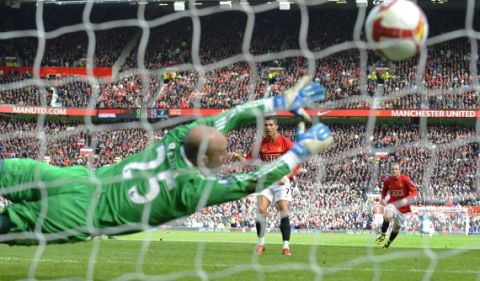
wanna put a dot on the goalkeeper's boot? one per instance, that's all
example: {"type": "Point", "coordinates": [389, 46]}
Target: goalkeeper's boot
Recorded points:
{"type": "Point", "coordinates": [286, 252]}
{"type": "Point", "coordinates": [260, 249]}
{"type": "Point", "coordinates": [387, 245]}
{"type": "Point", "coordinates": [380, 238]}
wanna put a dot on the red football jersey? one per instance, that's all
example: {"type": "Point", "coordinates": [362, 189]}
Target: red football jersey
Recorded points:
{"type": "Point", "coordinates": [271, 150]}
{"type": "Point", "coordinates": [399, 188]}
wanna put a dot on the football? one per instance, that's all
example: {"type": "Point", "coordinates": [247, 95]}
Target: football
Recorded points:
{"type": "Point", "coordinates": [396, 29]}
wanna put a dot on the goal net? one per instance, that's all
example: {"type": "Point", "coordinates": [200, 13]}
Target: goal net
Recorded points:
{"type": "Point", "coordinates": [94, 82]}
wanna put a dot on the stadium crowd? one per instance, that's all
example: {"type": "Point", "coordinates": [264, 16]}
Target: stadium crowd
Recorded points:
{"type": "Point", "coordinates": [446, 83]}
{"type": "Point", "coordinates": [446, 86]}
{"type": "Point", "coordinates": [331, 193]}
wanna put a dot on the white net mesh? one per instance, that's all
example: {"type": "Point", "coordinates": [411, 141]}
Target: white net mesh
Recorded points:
{"type": "Point", "coordinates": [211, 57]}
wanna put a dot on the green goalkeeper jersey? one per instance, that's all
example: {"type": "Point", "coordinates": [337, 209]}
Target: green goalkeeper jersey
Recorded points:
{"type": "Point", "coordinates": [148, 188]}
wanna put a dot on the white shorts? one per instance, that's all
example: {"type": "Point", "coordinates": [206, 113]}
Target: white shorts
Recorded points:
{"type": "Point", "coordinates": [377, 219]}
{"type": "Point", "coordinates": [399, 219]}
{"type": "Point", "coordinates": [427, 230]}
{"type": "Point", "coordinates": [278, 192]}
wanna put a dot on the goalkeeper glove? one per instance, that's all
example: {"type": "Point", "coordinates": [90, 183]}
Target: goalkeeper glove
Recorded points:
{"type": "Point", "coordinates": [315, 140]}
{"type": "Point", "coordinates": [299, 96]}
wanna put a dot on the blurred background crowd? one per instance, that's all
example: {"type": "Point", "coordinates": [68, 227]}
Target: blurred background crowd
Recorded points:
{"type": "Point", "coordinates": [337, 191]}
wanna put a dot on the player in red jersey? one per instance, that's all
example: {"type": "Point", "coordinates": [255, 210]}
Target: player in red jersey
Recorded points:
{"type": "Point", "coordinates": [273, 146]}
{"type": "Point", "coordinates": [402, 191]}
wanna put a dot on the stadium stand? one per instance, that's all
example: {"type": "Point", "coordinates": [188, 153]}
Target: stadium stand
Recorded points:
{"type": "Point", "coordinates": [447, 78]}
{"type": "Point", "coordinates": [343, 200]}
{"type": "Point", "coordinates": [340, 203]}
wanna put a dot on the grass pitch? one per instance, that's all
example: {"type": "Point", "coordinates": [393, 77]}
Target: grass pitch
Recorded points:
{"type": "Point", "coordinates": [188, 255]}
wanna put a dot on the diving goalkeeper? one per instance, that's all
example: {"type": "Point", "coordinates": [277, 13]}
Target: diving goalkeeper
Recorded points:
{"type": "Point", "coordinates": [170, 179]}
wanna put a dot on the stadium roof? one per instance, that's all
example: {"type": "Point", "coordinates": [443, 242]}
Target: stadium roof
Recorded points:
{"type": "Point", "coordinates": [428, 4]}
